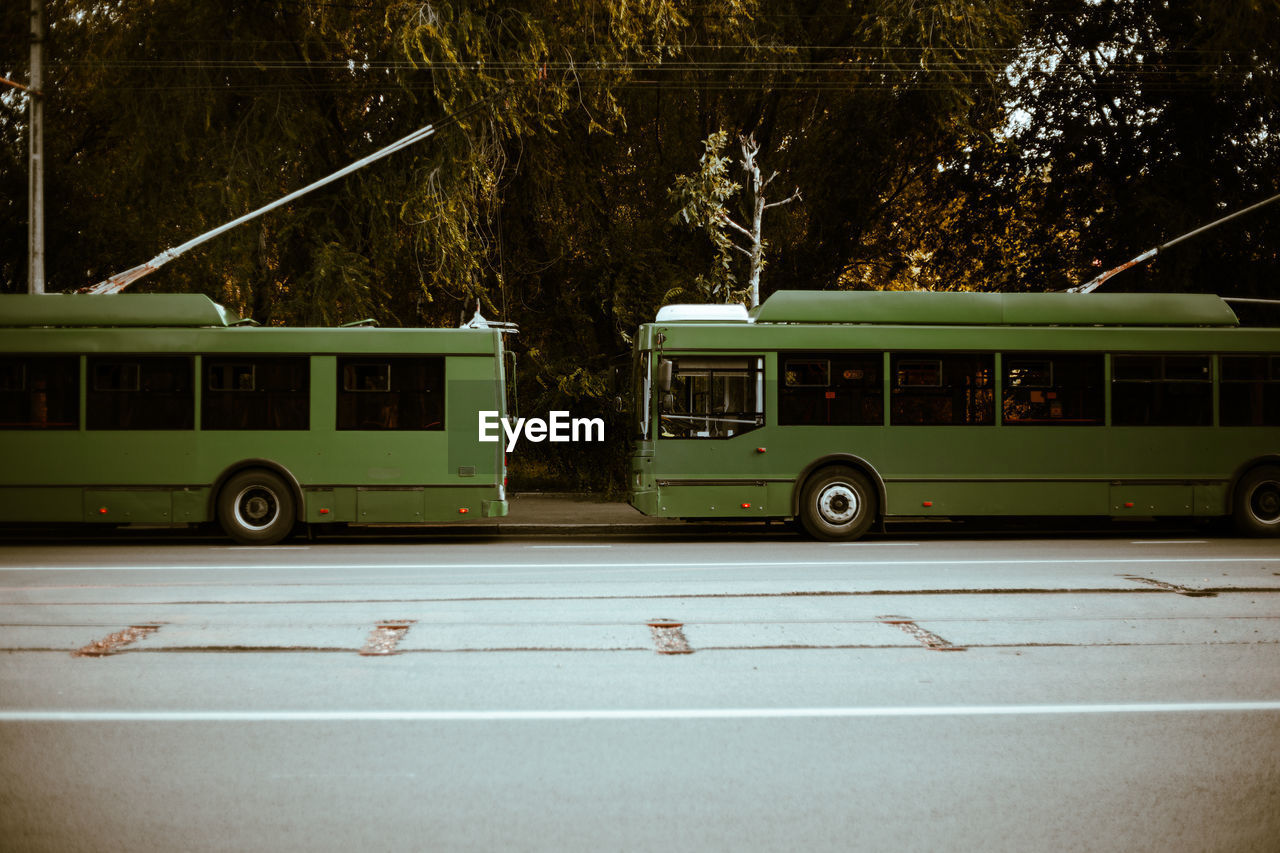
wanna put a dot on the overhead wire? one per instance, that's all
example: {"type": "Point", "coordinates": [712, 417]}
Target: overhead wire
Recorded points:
{"type": "Point", "coordinates": [846, 73]}
{"type": "Point", "coordinates": [853, 61]}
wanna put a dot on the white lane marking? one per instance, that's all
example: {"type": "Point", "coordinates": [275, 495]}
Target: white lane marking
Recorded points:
{"type": "Point", "coordinates": [873, 544]}
{"type": "Point", "coordinates": [1170, 542]}
{"type": "Point", "coordinates": [673, 564]}
{"type": "Point", "coordinates": [552, 547]}
{"type": "Point", "coordinates": [629, 714]}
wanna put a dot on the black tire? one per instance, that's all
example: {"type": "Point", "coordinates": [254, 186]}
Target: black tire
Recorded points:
{"type": "Point", "coordinates": [838, 505]}
{"type": "Point", "coordinates": [1257, 502]}
{"type": "Point", "coordinates": [256, 508]}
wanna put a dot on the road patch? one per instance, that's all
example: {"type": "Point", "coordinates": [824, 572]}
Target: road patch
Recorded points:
{"type": "Point", "coordinates": [112, 643]}
{"type": "Point", "coordinates": [669, 638]}
{"type": "Point", "coordinates": [385, 637]}
{"type": "Point", "coordinates": [926, 638]}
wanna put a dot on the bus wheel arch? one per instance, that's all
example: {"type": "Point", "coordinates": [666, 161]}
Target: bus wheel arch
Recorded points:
{"type": "Point", "coordinates": [838, 498]}
{"type": "Point", "coordinates": [848, 460]}
{"type": "Point", "coordinates": [1255, 503]}
{"type": "Point", "coordinates": [257, 502]}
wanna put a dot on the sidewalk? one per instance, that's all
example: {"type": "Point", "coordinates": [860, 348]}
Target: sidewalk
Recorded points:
{"type": "Point", "coordinates": [575, 511]}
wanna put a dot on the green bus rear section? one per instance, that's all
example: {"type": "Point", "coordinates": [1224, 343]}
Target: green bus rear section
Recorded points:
{"type": "Point", "coordinates": [997, 469]}
{"type": "Point", "coordinates": [164, 476]}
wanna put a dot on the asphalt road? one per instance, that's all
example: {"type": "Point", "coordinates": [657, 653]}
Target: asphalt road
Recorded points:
{"type": "Point", "coordinates": [714, 693]}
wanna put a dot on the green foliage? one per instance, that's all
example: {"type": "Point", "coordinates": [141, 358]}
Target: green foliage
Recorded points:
{"type": "Point", "coordinates": [1001, 145]}
{"type": "Point", "coordinates": [1124, 125]}
{"type": "Point", "coordinates": [704, 198]}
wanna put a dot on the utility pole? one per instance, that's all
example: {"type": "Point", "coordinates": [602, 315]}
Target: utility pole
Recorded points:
{"type": "Point", "coordinates": [35, 172]}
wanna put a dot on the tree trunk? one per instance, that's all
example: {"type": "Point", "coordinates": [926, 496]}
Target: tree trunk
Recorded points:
{"type": "Point", "coordinates": [749, 150]}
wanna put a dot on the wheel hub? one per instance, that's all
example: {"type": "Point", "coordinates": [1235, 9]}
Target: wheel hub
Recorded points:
{"type": "Point", "coordinates": [1265, 502]}
{"type": "Point", "coordinates": [256, 508]}
{"type": "Point", "coordinates": [838, 504]}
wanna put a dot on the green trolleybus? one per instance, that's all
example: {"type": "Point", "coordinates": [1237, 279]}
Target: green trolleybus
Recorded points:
{"type": "Point", "coordinates": [166, 409]}
{"type": "Point", "coordinates": [842, 408]}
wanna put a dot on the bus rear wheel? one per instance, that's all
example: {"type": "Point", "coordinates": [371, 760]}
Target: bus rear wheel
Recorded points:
{"type": "Point", "coordinates": [256, 508]}
{"type": "Point", "coordinates": [837, 504]}
{"type": "Point", "coordinates": [1257, 504]}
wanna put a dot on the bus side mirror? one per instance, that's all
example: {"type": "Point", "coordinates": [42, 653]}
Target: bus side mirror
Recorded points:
{"type": "Point", "coordinates": [665, 370]}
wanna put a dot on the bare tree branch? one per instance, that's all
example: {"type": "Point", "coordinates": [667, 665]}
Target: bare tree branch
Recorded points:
{"type": "Point", "coordinates": [795, 196]}
{"type": "Point", "coordinates": [724, 217]}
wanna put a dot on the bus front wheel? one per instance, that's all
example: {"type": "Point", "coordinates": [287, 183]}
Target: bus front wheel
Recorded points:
{"type": "Point", "coordinates": [838, 504]}
{"type": "Point", "coordinates": [1257, 504]}
{"type": "Point", "coordinates": [256, 508]}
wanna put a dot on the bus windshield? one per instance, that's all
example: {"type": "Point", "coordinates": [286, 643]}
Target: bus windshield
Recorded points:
{"type": "Point", "coordinates": [713, 397]}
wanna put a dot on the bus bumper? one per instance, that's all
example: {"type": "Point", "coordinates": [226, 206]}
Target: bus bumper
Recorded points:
{"type": "Point", "coordinates": [493, 509]}
{"type": "Point", "coordinates": [646, 502]}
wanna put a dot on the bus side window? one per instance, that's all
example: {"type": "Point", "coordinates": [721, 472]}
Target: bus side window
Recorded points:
{"type": "Point", "coordinates": [140, 392]}
{"type": "Point", "coordinates": [1161, 390]}
{"type": "Point", "coordinates": [1061, 389]}
{"type": "Point", "coordinates": [837, 389]}
{"type": "Point", "coordinates": [1250, 390]}
{"type": "Point", "coordinates": [39, 392]}
{"type": "Point", "coordinates": [256, 393]}
{"type": "Point", "coordinates": [391, 393]}
{"type": "Point", "coordinates": [942, 389]}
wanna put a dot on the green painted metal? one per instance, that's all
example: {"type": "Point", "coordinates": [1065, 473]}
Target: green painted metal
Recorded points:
{"type": "Point", "coordinates": [125, 310]}
{"type": "Point", "coordinates": [997, 469]}
{"type": "Point", "coordinates": [927, 308]}
{"type": "Point", "coordinates": [171, 476]}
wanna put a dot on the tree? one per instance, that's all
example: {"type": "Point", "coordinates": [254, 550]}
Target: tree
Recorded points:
{"type": "Point", "coordinates": [705, 196]}
{"type": "Point", "coordinates": [564, 126]}
{"type": "Point", "coordinates": [1118, 126]}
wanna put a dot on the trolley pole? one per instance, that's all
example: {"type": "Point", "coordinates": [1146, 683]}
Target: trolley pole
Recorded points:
{"type": "Point", "coordinates": [35, 173]}
{"type": "Point", "coordinates": [1094, 283]}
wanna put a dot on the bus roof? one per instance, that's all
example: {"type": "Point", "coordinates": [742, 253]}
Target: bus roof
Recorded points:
{"type": "Point", "coordinates": [116, 310]}
{"type": "Point", "coordinates": [929, 308]}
